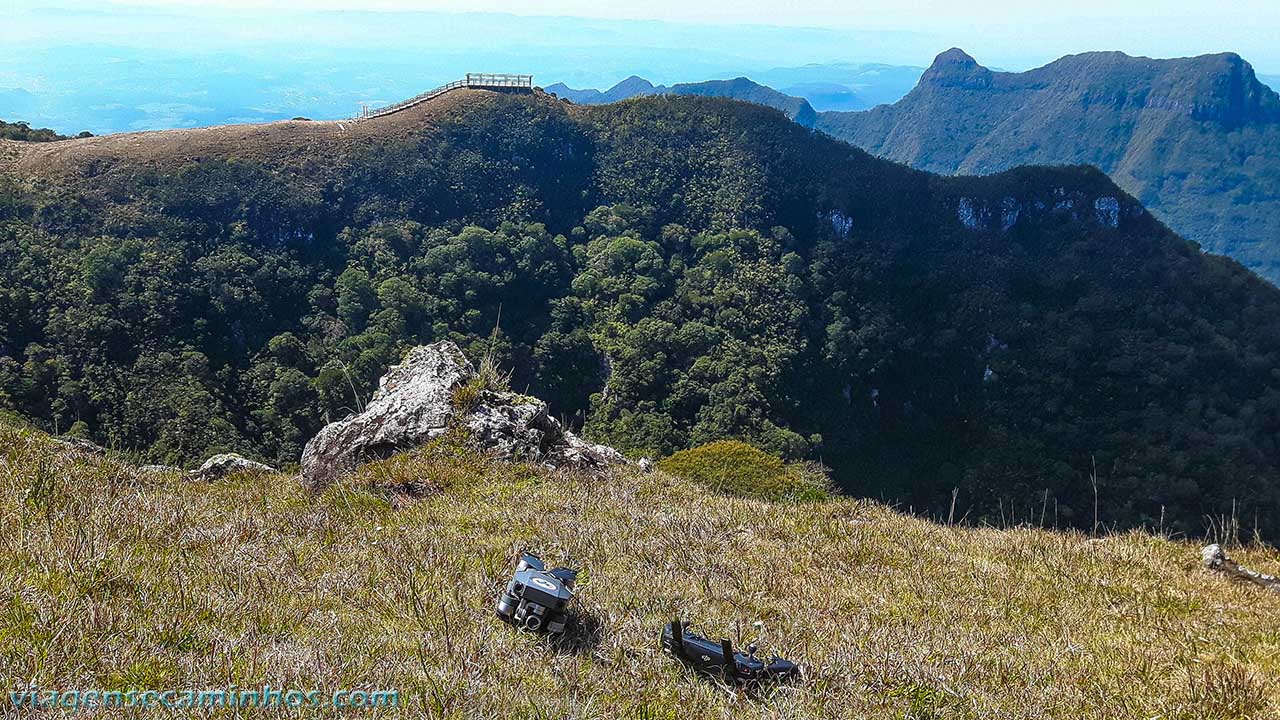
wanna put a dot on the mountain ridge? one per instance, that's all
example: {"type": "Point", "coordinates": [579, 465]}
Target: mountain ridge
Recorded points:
{"type": "Point", "coordinates": [1194, 138]}
{"type": "Point", "coordinates": [739, 88]}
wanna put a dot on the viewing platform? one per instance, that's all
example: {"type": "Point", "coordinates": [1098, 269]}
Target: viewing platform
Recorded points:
{"type": "Point", "coordinates": [483, 81]}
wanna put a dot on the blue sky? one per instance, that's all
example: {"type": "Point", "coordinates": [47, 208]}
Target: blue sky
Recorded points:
{"type": "Point", "coordinates": [1013, 33]}
{"type": "Point", "coordinates": [111, 65]}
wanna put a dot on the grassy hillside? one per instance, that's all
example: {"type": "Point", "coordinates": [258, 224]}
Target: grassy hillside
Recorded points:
{"type": "Point", "coordinates": [664, 272]}
{"type": "Point", "coordinates": [116, 580]}
{"type": "Point", "coordinates": [1195, 139]}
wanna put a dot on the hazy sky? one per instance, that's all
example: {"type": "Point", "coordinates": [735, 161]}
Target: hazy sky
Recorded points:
{"type": "Point", "coordinates": [1012, 33]}
{"type": "Point", "coordinates": [114, 65]}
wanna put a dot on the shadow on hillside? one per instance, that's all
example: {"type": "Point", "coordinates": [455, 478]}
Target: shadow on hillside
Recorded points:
{"type": "Point", "coordinates": [583, 633]}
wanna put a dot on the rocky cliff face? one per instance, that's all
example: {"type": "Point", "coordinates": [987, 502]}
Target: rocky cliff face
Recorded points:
{"type": "Point", "coordinates": [1220, 88]}
{"type": "Point", "coordinates": [1197, 140]}
{"type": "Point", "coordinates": [422, 398]}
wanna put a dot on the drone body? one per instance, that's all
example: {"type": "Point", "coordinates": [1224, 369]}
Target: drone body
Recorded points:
{"type": "Point", "coordinates": [536, 598]}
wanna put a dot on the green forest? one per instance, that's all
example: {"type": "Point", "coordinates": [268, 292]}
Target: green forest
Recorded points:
{"type": "Point", "coordinates": [23, 131]}
{"type": "Point", "coordinates": [664, 272]}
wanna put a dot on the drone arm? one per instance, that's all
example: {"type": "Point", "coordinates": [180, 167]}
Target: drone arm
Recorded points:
{"type": "Point", "coordinates": [530, 561]}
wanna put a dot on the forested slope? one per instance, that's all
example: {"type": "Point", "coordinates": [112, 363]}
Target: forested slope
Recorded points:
{"type": "Point", "coordinates": [666, 270]}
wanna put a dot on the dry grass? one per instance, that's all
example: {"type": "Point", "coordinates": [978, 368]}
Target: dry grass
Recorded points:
{"type": "Point", "coordinates": [111, 579]}
{"type": "Point", "coordinates": [284, 142]}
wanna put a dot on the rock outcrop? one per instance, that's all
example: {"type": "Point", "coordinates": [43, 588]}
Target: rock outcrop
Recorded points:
{"type": "Point", "coordinates": [1215, 558]}
{"type": "Point", "coordinates": [416, 402]}
{"type": "Point", "coordinates": [79, 446]}
{"type": "Point", "coordinates": [220, 466]}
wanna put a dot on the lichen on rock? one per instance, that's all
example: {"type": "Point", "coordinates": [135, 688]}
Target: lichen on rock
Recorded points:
{"type": "Point", "coordinates": [418, 400]}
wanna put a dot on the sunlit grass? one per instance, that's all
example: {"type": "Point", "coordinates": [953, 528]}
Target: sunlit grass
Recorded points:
{"type": "Point", "coordinates": [114, 579]}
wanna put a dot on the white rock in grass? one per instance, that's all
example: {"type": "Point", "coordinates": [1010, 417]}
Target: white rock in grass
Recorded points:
{"type": "Point", "coordinates": [220, 466]}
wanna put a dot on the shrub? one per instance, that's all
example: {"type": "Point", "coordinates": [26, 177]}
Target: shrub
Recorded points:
{"type": "Point", "coordinates": [13, 420]}
{"type": "Point", "coordinates": [466, 397]}
{"type": "Point", "coordinates": [735, 467]}
{"type": "Point", "coordinates": [489, 378]}
{"type": "Point", "coordinates": [428, 469]}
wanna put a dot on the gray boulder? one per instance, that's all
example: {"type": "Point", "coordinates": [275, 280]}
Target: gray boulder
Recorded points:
{"type": "Point", "coordinates": [79, 446]}
{"type": "Point", "coordinates": [220, 466]}
{"type": "Point", "coordinates": [415, 403]}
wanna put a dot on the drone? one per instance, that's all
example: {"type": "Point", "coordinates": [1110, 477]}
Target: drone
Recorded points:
{"type": "Point", "coordinates": [536, 598]}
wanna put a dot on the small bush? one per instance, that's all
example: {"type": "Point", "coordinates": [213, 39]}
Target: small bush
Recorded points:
{"type": "Point", "coordinates": [466, 397]}
{"type": "Point", "coordinates": [13, 420]}
{"type": "Point", "coordinates": [489, 378]}
{"type": "Point", "coordinates": [737, 468]}
{"type": "Point", "coordinates": [425, 470]}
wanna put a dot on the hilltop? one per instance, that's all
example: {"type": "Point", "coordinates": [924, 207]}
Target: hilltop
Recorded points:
{"type": "Point", "coordinates": [283, 143]}
{"type": "Point", "coordinates": [664, 272]}
{"type": "Point", "coordinates": [1197, 140]}
{"type": "Point", "coordinates": [122, 579]}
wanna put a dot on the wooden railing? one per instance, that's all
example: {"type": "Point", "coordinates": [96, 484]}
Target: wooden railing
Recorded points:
{"type": "Point", "coordinates": [498, 80]}
{"type": "Point", "coordinates": [472, 80]}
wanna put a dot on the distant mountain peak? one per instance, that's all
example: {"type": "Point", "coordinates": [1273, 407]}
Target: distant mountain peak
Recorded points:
{"type": "Point", "coordinates": [1220, 88]}
{"type": "Point", "coordinates": [634, 85]}
{"type": "Point", "coordinates": [1197, 139]}
{"type": "Point", "coordinates": [1236, 96]}
{"type": "Point", "coordinates": [739, 88]}
{"type": "Point", "coordinates": [954, 56]}
{"type": "Point", "coordinates": [956, 68]}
